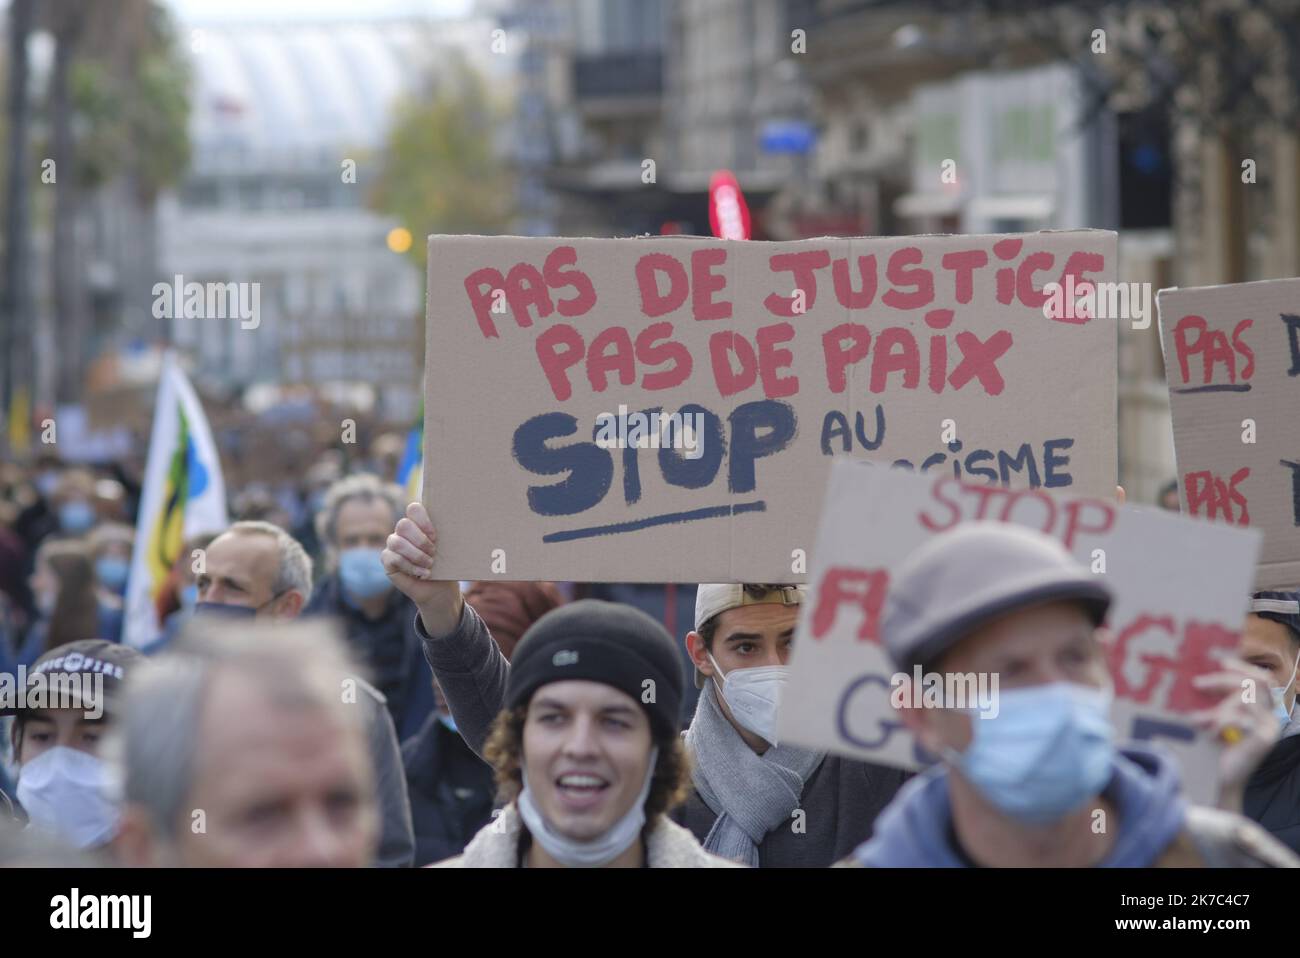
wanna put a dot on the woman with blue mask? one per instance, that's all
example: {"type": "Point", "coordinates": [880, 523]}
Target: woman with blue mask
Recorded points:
{"type": "Point", "coordinates": [1024, 778]}
{"type": "Point", "coordinates": [72, 502]}
{"type": "Point", "coordinates": [111, 545]}
{"type": "Point", "coordinates": [68, 609]}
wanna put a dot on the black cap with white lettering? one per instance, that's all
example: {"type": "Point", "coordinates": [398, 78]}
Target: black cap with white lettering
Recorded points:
{"type": "Point", "coordinates": [606, 642]}
{"type": "Point", "coordinates": [85, 657]}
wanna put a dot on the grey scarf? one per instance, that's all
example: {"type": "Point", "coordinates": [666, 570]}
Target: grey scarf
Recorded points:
{"type": "Point", "coordinates": [752, 794]}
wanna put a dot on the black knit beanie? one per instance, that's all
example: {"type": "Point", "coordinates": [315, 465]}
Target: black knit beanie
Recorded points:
{"type": "Point", "coordinates": [607, 642]}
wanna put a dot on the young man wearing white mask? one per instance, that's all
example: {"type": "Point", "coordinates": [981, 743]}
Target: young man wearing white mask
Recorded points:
{"type": "Point", "coordinates": [586, 752]}
{"type": "Point", "coordinates": [59, 720]}
{"type": "Point", "coordinates": [1026, 786]}
{"type": "Point", "coordinates": [755, 801]}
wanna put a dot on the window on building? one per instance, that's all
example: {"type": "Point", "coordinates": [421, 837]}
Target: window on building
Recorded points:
{"type": "Point", "coordinates": [1145, 172]}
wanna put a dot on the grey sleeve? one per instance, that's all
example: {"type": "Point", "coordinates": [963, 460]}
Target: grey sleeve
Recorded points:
{"type": "Point", "coordinates": [396, 833]}
{"type": "Point", "coordinates": [471, 671]}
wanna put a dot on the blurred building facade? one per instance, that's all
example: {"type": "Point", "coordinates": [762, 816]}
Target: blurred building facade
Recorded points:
{"type": "Point", "coordinates": [835, 115]}
{"type": "Point", "coordinates": [589, 113]}
{"type": "Point", "coordinates": [836, 118]}
{"type": "Point", "coordinates": [626, 107]}
{"type": "Point", "coordinates": [286, 122]}
{"type": "Point", "coordinates": [903, 90]}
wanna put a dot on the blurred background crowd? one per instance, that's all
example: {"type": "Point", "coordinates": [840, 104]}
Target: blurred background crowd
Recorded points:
{"type": "Point", "coordinates": [309, 147]}
{"type": "Point", "coordinates": [66, 543]}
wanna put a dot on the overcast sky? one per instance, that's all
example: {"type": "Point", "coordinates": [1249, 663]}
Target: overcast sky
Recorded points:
{"type": "Point", "coordinates": [220, 11]}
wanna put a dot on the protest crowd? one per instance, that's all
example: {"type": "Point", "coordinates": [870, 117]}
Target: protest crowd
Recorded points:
{"type": "Point", "coordinates": [648, 434]}
{"type": "Point", "coordinates": [506, 724]}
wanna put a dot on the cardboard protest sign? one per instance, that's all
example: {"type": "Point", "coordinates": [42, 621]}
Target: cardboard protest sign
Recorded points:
{"type": "Point", "coordinates": [1180, 591]}
{"type": "Point", "coordinates": [1232, 355]}
{"type": "Point", "coordinates": [547, 358]}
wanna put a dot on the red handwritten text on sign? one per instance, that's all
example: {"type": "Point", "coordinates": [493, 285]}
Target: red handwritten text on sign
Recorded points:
{"type": "Point", "coordinates": [696, 284]}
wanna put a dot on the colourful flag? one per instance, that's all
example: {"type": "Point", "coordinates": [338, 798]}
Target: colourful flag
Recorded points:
{"type": "Point", "coordinates": [183, 495]}
{"type": "Point", "coordinates": [410, 474]}
{"type": "Point", "coordinates": [20, 422]}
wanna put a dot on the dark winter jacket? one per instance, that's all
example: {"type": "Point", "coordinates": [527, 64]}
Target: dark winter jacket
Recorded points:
{"type": "Point", "coordinates": [1273, 793]}
{"type": "Point", "coordinates": [396, 837]}
{"type": "Point", "coordinates": [451, 791]}
{"type": "Point", "coordinates": [388, 647]}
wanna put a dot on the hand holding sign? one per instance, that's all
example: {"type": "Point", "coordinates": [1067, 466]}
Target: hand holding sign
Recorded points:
{"type": "Point", "coordinates": [1244, 720]}
{"type": "Point", "coordinates": [409, 560]}
{"type": "Point", "coordinates": [1179, 602]}
{"type": "Point", "coordinates": [563, 374]}
{"type": "Point", "coordinates": [1233, 355]}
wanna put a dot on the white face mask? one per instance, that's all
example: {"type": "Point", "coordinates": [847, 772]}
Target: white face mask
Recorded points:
{"type": "Point", "coordinates": [600, 850]}
{"type": "Point", "coordinates": [754, 696]}
{"type": "Point", "coordinates": [66, 791]}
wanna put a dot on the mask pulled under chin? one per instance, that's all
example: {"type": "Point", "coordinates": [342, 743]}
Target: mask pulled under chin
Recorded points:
{"type": "Point", "coordinates": [66, 791]}
{"type": "Point", "coordinates": [597, 851]}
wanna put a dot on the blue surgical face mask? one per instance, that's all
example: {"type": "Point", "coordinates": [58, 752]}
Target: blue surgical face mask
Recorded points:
{"type": "Point", "coordinates": [225, 610]}
{"type": "Point", "coordinates": [362, 573]}
{"type": "Point", "coordinates": [76, 516]}
{"type": "Point", "coordinates": [112, 572]}
{"type": "Point", "coordinates": [1279, 697]}
{"type": "Point", "coordinates": [231, 611]}
{"type": "Point", "coordinates": [189, 597]}
{"type": "Point", "coordinates": [1045, 753]}
{"type": "Point", "coordinates": [47, 482]}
